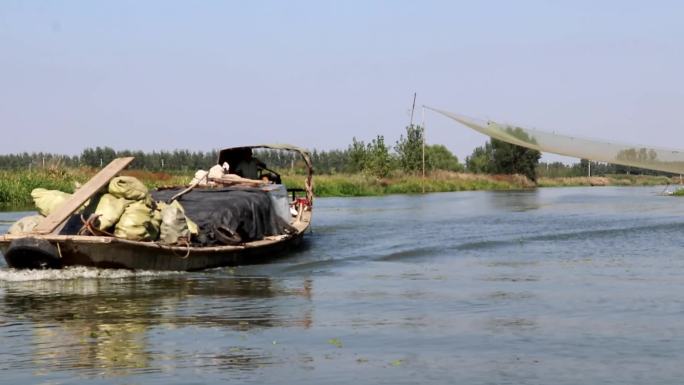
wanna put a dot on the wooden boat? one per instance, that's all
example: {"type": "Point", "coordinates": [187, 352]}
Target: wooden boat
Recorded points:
{"type": "Point", "coordinates": [44, 247]}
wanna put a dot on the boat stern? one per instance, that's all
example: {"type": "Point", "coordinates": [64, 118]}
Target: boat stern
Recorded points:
{"type": "Point", "coordinates": [30, 253]}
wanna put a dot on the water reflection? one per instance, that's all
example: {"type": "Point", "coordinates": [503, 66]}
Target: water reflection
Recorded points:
{"type": "Point", "coordinates": [105, 326]}
{"type": "Point", "coordinates": [515, 200]}
{"type": "Point", "coordinates": [509, 324]}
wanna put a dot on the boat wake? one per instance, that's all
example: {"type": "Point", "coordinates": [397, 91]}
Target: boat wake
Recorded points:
{"type": "Point", "coordinates": [77, 272]}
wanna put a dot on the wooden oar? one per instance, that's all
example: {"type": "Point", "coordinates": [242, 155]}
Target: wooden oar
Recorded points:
{"type": "Point", "coordinates": [52, 221]}
{"type": "Point", "coordinates": [228, 179]}
{"type": "Point", "coordinates": [187, 190]}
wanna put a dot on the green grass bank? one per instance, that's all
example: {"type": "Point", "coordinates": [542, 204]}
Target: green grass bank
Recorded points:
{"type": "Point", "coordinates": [16, 186]}
{"type": "Point", "coordinates": [362, 185]}
{"type": "Point", "coordinates": [608, 180]}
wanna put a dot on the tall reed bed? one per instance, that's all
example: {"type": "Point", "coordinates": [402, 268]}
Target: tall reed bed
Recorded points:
{"type": "Point", "coordinates": [16, 186]}
{"type": "Point", "coordinates": [343, 185]}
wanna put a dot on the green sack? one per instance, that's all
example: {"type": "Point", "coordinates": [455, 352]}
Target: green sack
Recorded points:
{"type": "Point", "coordinates": [192, 226]}
{"type": "Point", "coordinates": [156, 215]}
{"type": "Point", "coordinates": [48, 201]}
{"type": "Point", "coordinates": [25, 224]}
{"type": "Point", "coordinates": [173, 225]}
{"type": "Point", "coordinates": [137, 224]}
{"type": "Point", "coordinates": [110, 209]}
{"type": "Point", "coordinates": [128, 187]}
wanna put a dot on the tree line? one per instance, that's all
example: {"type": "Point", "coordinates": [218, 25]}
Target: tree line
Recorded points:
{"type": "Point", "coordinates": [375, 158]}
{"type": "Point", "coordinates": [562, 170]}
{"type": "Point", "coordinates": [178, 160]}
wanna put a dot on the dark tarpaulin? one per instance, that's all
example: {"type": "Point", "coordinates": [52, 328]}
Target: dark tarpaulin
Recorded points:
{"type": "Point", "coordinates": [229, 215]}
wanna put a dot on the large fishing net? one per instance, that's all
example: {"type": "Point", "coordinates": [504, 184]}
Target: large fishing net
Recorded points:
{"type": "Point", "coordinates": [661, 159]}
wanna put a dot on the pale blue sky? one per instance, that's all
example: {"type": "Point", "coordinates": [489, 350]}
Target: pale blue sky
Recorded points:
{"type": "Point", "coordinates": [200, 75]}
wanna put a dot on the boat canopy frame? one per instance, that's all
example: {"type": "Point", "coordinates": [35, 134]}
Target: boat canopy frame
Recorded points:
{"type": "Point", "coordinates": [308, 182]}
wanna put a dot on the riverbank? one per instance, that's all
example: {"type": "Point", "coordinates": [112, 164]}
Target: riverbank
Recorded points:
{"type": "Point", "coordinates": [609, 180]}
{"type": "Point", "coordinates": [344, 185]}
{"type": "Point", "coordinates": [16, 186]}
{"type": "Point", "coordinates": [362, 185]}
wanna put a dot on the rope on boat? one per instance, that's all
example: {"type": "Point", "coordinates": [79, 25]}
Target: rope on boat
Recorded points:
{"type": "Point", "coordinates": [88, 226]}
{"type": "Point", "coordinates": [187, 252]}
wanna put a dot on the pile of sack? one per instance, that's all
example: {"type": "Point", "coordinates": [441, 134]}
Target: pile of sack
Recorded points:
{"type": "Point", "coordinates": [126, 210]}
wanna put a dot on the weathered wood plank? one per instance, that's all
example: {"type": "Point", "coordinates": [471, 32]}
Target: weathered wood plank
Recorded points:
{"type": "Point", "coordinates": [52, 221]}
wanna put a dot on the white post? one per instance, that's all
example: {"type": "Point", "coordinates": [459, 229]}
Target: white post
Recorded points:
{"type": "Point", "coordinates": [413, 107]}
{"type": "Point", "coordinates": [424, 132]}
{"type": "Point", "coordinates": [589, 167]}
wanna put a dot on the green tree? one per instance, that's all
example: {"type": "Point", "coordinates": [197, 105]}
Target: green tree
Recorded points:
{"type": "Point", "coordinates": [511, 159]}
{"type": "Point", "coordinates": [358, 155]}
{"type": "Point", "coordinates": [558, 170]}
{"type": "Point", "coordinates": [438, 157]}
{"type": "Point", "coordinates": [498, 157]}
{"type": "Point", "coordinates": [410, 149]}
{"type": "Point", "coordinates": [378, 160]}
{"type": "Point", "coordinates": [481, 160]}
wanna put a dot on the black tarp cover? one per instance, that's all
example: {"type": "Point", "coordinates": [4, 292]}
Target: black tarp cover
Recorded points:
{"type": "Point", "coordinates": [247, 212]}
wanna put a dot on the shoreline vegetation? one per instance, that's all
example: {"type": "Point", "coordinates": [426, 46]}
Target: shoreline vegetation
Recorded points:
{"type": "Point", "coordinates": [362, 169]}
{"type": "Point", "coordinates": [442, 181]}
{"type": "Point", "coordinates": [16, 186]}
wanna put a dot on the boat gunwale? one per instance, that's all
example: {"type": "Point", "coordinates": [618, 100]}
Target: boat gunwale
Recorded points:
{"type": "Point", "coordinates": [301, 225]}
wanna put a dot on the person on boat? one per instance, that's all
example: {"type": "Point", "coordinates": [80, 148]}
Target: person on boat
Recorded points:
{"type": "Point", "coordinates": [249, 166]}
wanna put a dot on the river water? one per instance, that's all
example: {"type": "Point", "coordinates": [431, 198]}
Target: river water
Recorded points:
{"type": "Point", "coordinates": [554, 286]}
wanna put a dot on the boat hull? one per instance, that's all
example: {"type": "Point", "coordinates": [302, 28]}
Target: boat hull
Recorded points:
{"type": "Point", "coordinates": [109, 252]}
